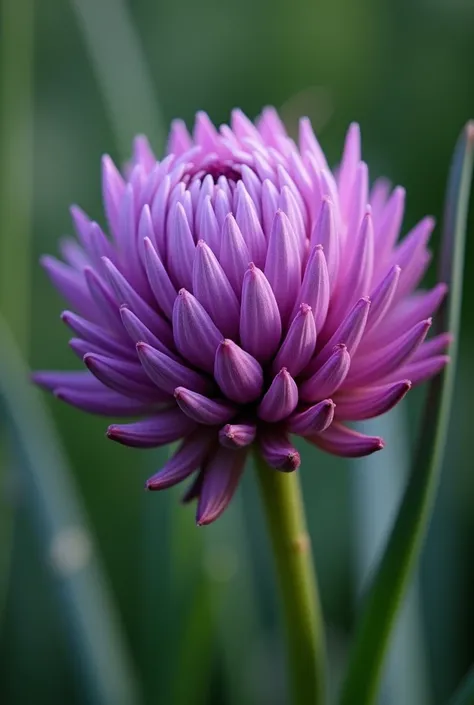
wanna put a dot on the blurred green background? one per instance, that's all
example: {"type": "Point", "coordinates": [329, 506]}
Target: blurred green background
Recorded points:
{"type": "Point", "coordinates": [404, 71]}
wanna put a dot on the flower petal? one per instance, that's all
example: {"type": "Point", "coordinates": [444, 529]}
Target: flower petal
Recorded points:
{"type": "Point", "coordinates": [237, 373]}
{"type": "Point", "coordinates": [281, 398]}
{"type": "Point", "coordinates": [193, 451]}
{"type": "Point", "coordinates": [220, 479]}
{"type": "Point", "coordinates": [277, 450]}
{"type": "Point", "coordinates": [212, 288]}
{"type": "Point", "coordinates": [368, 402]}
{"type": "Point", "coordinates": [329, 377]}
{"type": "Point", "coordinates": [237, 435]}
{"type": "Point", "coordinates": [167, 373]}
{"type": "Point", "coordinates": [343, 441]}
{"type": "Point", "coordinates": [195, 334]}
{"type": "Point", "coordinates": [260, 322]}
{"type": "Point", "coordinates": [210, 412]}
{"type": "Point", "coordinates": [300, 342]}
{"type": "Point", "coordinates": [313, 420]}
{"type": "Point", "coordinates": [166, 427]}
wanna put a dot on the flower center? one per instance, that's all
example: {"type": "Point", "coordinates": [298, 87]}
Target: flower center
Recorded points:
{"type": "Point", "coordinates": [216, 169]}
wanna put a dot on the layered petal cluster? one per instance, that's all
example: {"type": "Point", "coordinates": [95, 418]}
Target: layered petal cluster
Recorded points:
{"type": "Point", "coordinates": [243, 293]}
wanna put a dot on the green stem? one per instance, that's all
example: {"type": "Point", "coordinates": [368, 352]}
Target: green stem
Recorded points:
{"type": "Point", "coordinates": [283, 504]}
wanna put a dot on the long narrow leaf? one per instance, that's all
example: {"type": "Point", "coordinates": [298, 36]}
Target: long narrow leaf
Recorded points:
{"type": "Point", "coordinates": [403, 547]}
{"type": "Point", "coordinates": [121, 71]}
{"type": "Point", "coordinates": [93, 628]}
{"type": "Point", "coordinates": [16, 161]}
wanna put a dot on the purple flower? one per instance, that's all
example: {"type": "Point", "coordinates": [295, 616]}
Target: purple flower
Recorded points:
{"type": "Point", "coordinates": [245, 293]}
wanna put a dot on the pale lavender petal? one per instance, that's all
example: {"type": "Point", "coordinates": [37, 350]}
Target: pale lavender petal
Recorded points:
{"type": "Point", "coordinates": [309, 143]}
{"type": "Point", "coordinates": [82, 347]}
{"type": "Point", "coordinates": [96, 335]}
{"type": "Point", "coordinates": [191, 454]}
{"type": "Point", "coordinates": [103, 304]}
{"type": "Point", "coordinates": [70, 284]}
{"type": "Point", "coordinates": [222, 208]}
{"type": "Point", "coordinates": [82, 225]}
{"type": "Point", "coordinates": [237, 373]}
{"type": "Point", "coordinates": [239, 435]}
{"type": "Point", "coordinates": [125, 294]}
{"type": "Point", "coordinates": [315, 419]}
{"type": "Point", "coordinates": [160, 283]}
{"type": "Point", "coordinates": [167, 373]}
{"type": "Point", "coordinates": [219, 482]}
{"type": "Point", "coordinates": [143, 153]}
{"type": "Point", "coordinates": [349, 163]}
{"type": "Point", "coordinates": [350, 332]}
{"type": "Point", "coordinates": [208, 228]}
{"type": "Point", "coordinates": [343, 441]}
{"type": "Point", "coordinates": [212, 288]}
{"type": "Point", "coordinates": [288, 204]}
{"type": "Point", "coordinates": [270, 197]}
{"type": "Point", "coordinates": [100, 246]}
{"type": "Point", "coordinates": [165, 427]}
{"type": "Point", "coordinates": [128, 234]}
{"type": "Point", "coordinates": [420, 370]}
{"type": "Point", "coordinates": [181, 248]}
{"type": "Point", "coordinates": [378, 198]}
{"type": "Point", "coordinates": [437, 345]}
{"type": "Point", "coordinates": [373, 366]}
{"type": "Point", "coordinates": [234, 254]}
{"type": "Point", "coordinates": [408, 312]}
{"type": "Point", "coordinates": [382, 298]}
{"type": "Point", "coordinates": [281, 398]}
{"type": "Point", "coordinates": [210, 412]}
{"type": "Point", "coordinates": [195, 334]}
{"type": "Point", "coordinates": [81, 381]}
{"type": "Point", "coordinates": [104, 402]}
{"type": "Point", "coordinates": [328, 378]}
{"type": "Point", "coordinates": [277, 450]}
{"type": "Point", "coordinates": [270, 126]}
{"type": "Point", "coordinates": [358, 206]}
{"type": "Point", "coordinates": [159, 209]}
{"type": "Point", "coordinates": [138, 332]}
{"type": "Point", "coordinates": [113, 187]}
{"type": "Point", "coordinates": [204, 132]}
{"type": "Point", "coordinates": [254, 187]}
{"type": "Point", "coordinates": [73, 253]}
{"type": "Point", "coordinates": [247, 219]}
{"type": "Point", "coordinates": [408, 253]}
{"type": "Point", "coordinates": [315, 287]}
{"type": "Point", "coordinates": [325, 233]}
{"type": "Point", "coordinates": [282, 265]}
{"type": "Point", "coordinates": [390, 223]}
{"type": "Point", "coordinates": [123, 377]}
{"type": "Point", "coordinates": [365, 403]}
{"type": "Point", "coordinates": [260, 322]}
{"type": "Point", "coordinates": [300, 342]}
{"type": "Point", "coordinates": [179, 140]}
{"type": "Point", "coordinates": [358, 276]}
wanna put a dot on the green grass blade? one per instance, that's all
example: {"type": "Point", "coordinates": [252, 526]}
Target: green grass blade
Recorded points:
{"type": "Point", "coordinates": [93, 629]}
{"type": "Point", "coordinates": [464, 695]}
{"type": "Point", "coordinates": [121, 71]}
{"type": "Point", "coordinates": [16, 177]}
{"type": "Point", "coordinates": [388, 586]}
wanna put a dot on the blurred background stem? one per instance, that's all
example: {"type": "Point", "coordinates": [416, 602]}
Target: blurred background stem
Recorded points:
{"type": "Point", "coordinates": [16, 195]}
{"type": "Point", "coordinates": [283, 506]}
